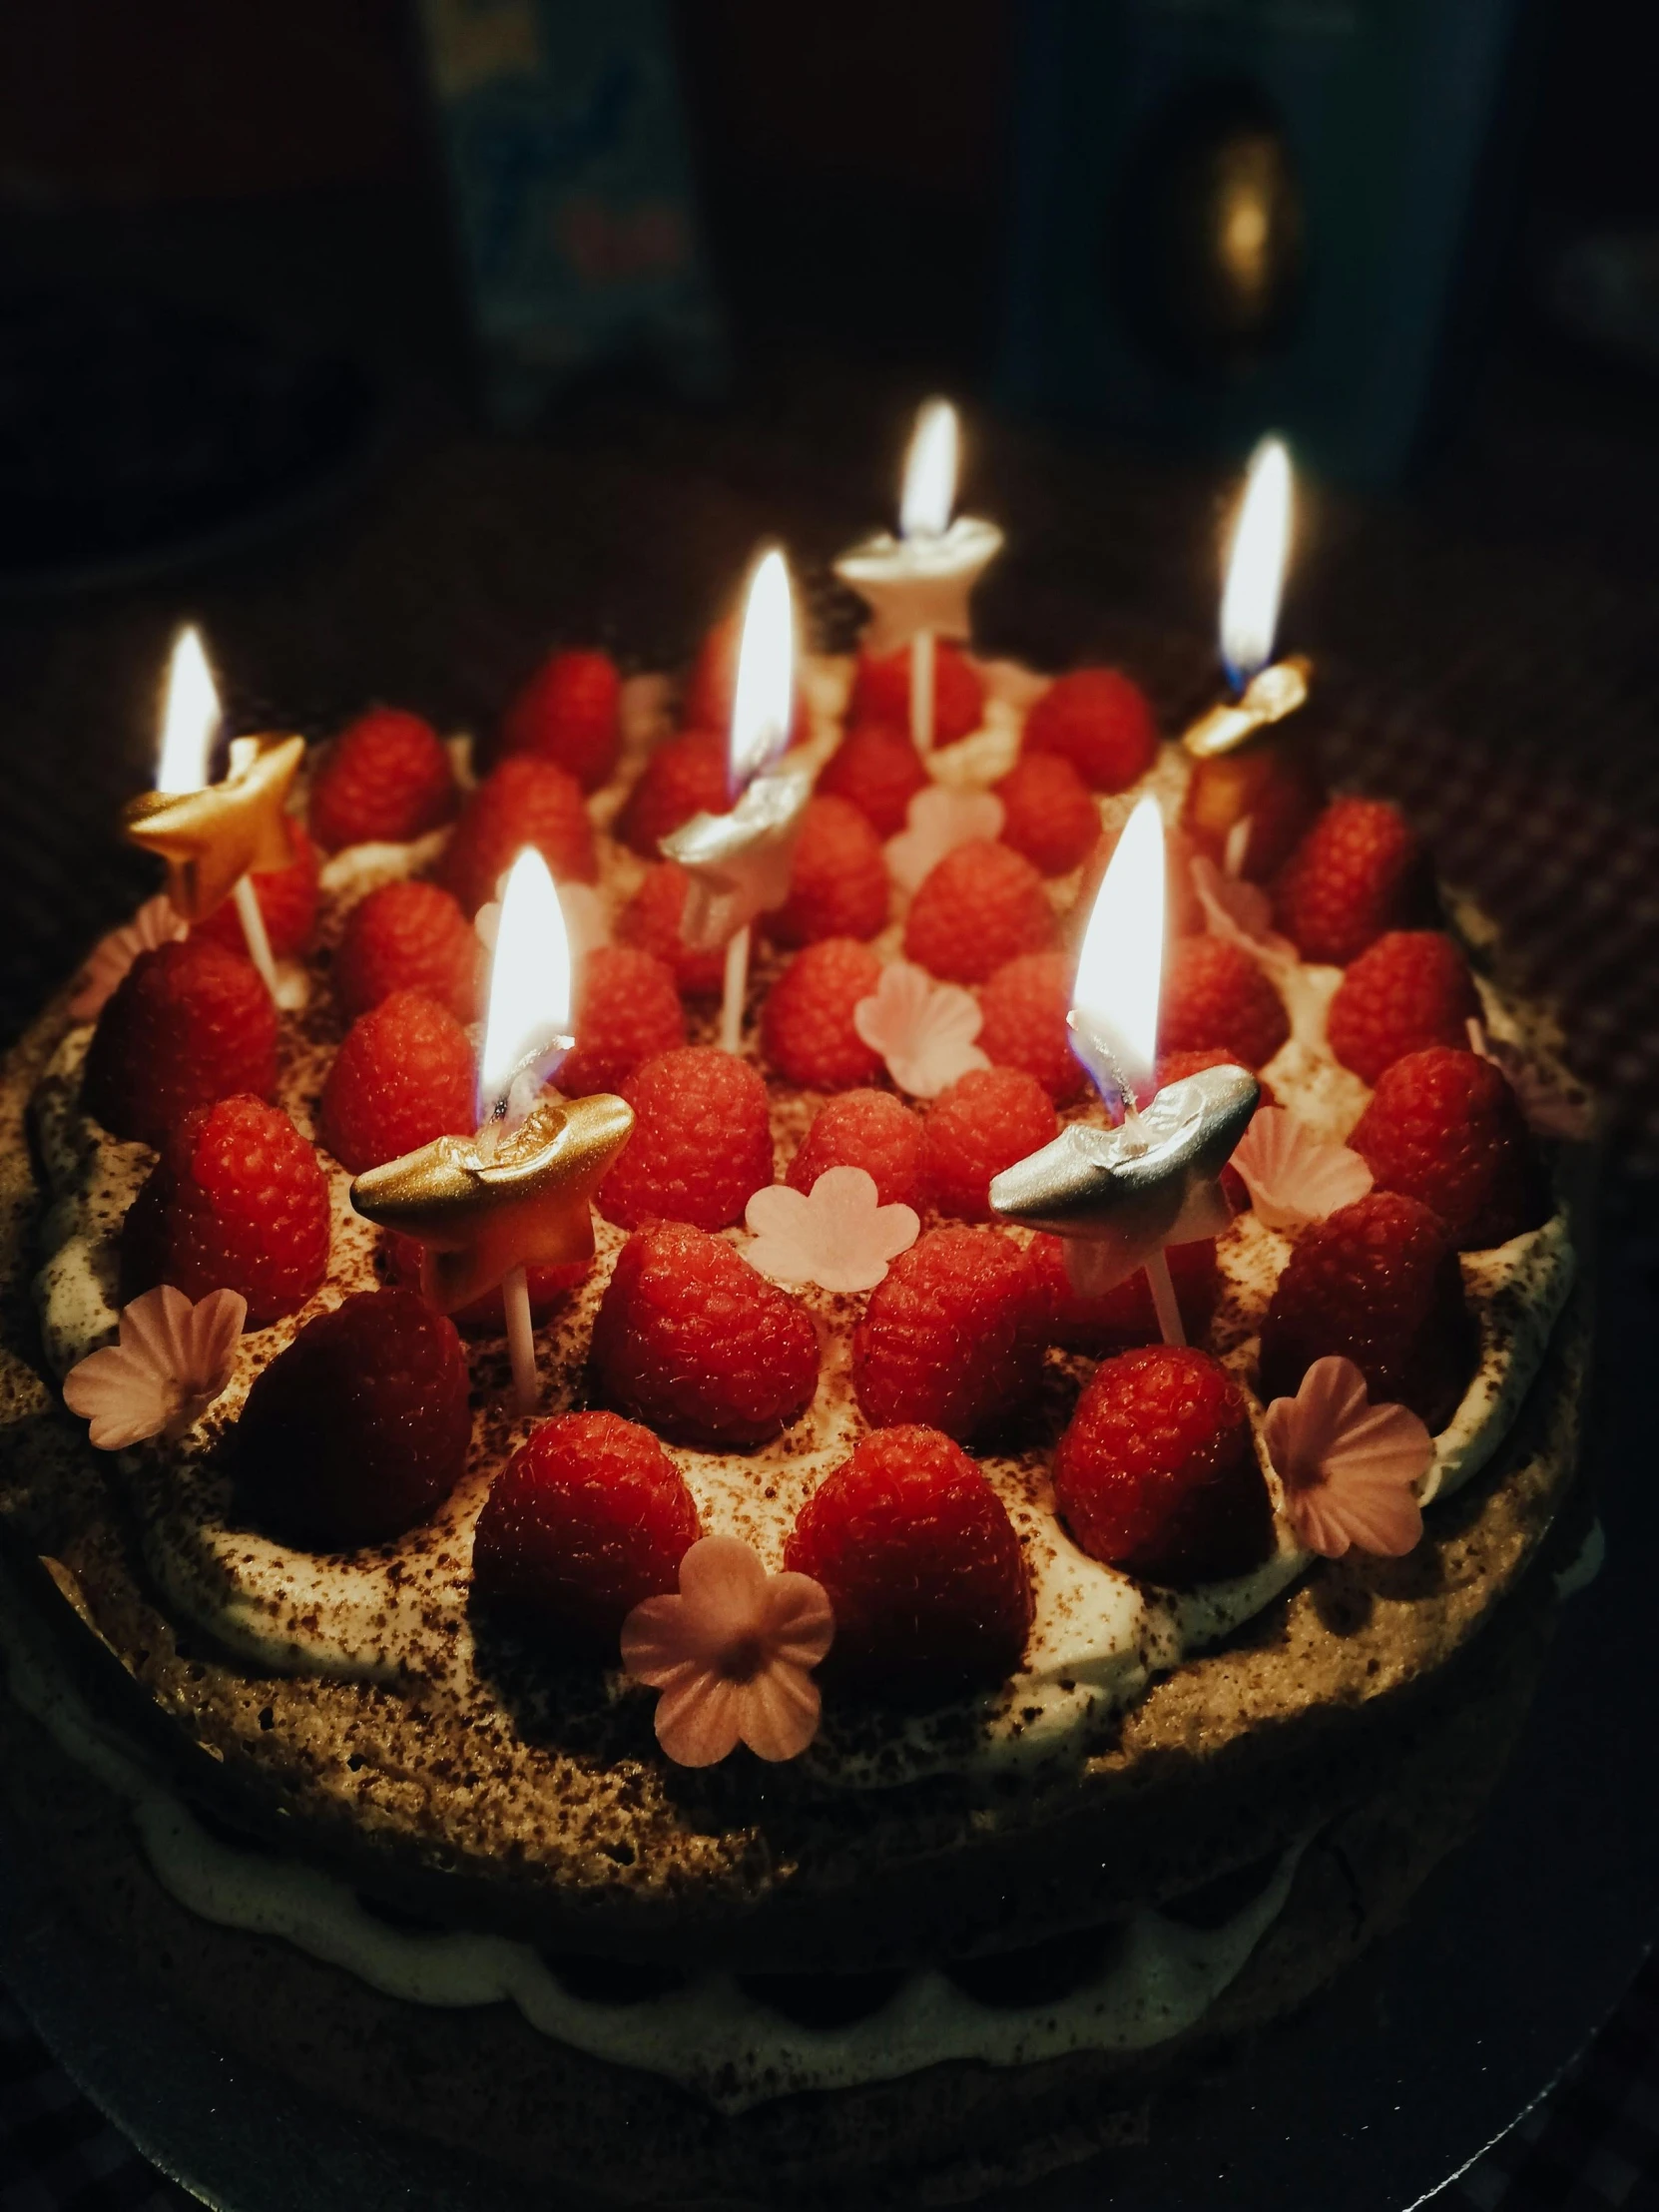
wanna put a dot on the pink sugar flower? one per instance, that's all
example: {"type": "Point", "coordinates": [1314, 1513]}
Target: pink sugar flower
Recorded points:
{"type": "Point", "coordinates": [937, 821]}
{"type": "Point", "coordinates": [839, 1236]}
{"type": "Point", "coordinates": [733, 1655]}
{"type": "Point", "coordinates": [1294, 1176]}
{"type": "Point", "coordinates": [1350, 1468]}
{"type": "Point", "coordinates": [174, 1358]}
{"type": "Point", "coordinates": [923, 1030]}
{"type": "Point", "coordinates": [155, 923]}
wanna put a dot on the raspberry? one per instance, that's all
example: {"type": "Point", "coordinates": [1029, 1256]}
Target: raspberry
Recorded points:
{"type": "Point", "coordinates": [408, 936]}
{"type": "Point", "coordinates": [1157, 1472]}
{"type": "Point", "coordinates": [589, 1518]}
{"type": "Point", "coordinates": [287, 903]}
{"type": "Point", "coordinates": [403, 1076]}
{"type": "Point", "coordinates": [706, 703]}
{"type": "Point", "coordinates": [806, 1031]}
{"type": "Point", "coordinates": [486, 1315]}
{"type": "Point", "coordinates": [838, 880]}
{"type": "Point", "coordinates": [1100, 721]}
{"type": "Point", "coordinates": [360, 1428]}
{"type": "Point", "coordinates": [952, 1336]}
{"type": "Point", "coordinates": [922, 1566]}
{"type": "Point", "coordinates": [237, 1202]}
{"type": "Point", "coordinates": [982, 1124]}
{"type": "Point", "coordinates": [627, 1010]}
{"type": "Point", "coordinates": [1116, 1319]}
{"type": "Point", "coordinates": [525, 801]}
{"type": "Point", "coordinates": [1266, 781]}
{"type": "Point", "coordinates": [1377, 1282]}
{"type": "Point", "coordinates": [694, 1342]}
{"type": "Point", "coordinates": [387, 778]}
{"type": "Point", "coordinates": [1182, 914]}
{"type": "Point", "coordinates": [871, 1130]}
{"type": "Point", "coordinates": [567, 713]}
{"type": "Point", "coordinates": [1214, 994]}
{"type": "Point", "coordinates": [979, 906]}
{"type": "Point", "coordinates": [685, 777]}
{"type": "Point", "coordinates": [651, 920]}
{"type": "Point", "coordinates": [702, 1141]}
{"type": "Point", "coordinates": [882, 692]}
{"type": "Point", "coordinates": [1410, 989]}
{"type": "Point", "coordinates": [1024, 1008]}
{"type": "Point", "coordinates": [189, 1023]}
{"type": "Point", "coordinates": [877, 768]}
{"type": "Point", "coordinates": [1357, 872]}
{"type": "Point", "coordinates": [1175, 1067]}
{"type": "Point", "coordinates": [1048, 816]}
{"type": "Point", "coordinates": [1444, 1127]}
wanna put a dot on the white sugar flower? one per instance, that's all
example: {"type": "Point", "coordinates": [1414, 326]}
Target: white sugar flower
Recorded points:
{"type": "Point", "coordinates": [1350, 1468]}
{"type": "Point", "coordinates": [174, 1358]}
{"type": "Point", "coordinates": [839, 1237]}
{"type": "Point", "coordinates": [938, 821]}
{"type": "Point", "coordinates": [923, 1030]}
{"type": "Point", "coordinates": [1294, 1176]}
{"type": "Point", "coordinates": [155, 923]}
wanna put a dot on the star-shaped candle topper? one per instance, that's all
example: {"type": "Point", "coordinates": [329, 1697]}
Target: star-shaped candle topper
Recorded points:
{"type": "Point", "coordinates": [1266, 689]}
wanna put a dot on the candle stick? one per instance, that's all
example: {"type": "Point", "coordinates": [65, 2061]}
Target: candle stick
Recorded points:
{"type": "Point", "coordinates": [518, 1194]}
{"type": "Point", "coordinates": [917, 584]}
{"type": "Point", "coordinates": [213, 835]}
{"type": "Point", "coordinates": [740, 862]}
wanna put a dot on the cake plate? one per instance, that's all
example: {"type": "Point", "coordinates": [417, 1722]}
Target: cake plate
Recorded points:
{"type": "Point", "coordinates": [1385, 2088]}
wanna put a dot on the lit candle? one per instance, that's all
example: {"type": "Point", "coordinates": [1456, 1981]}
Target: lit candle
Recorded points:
{"type": "Point", "coordinates": [520, 1193]}
{"type": "Point", "coordinates": [213, 835]}
{"type": "Point", "coordinates": [1265, 690]}
{"type": "Point", "coordinates": [1118, 1195]}
{"type": "Point", "coordinates": [739, 863]}
{"type": "Point", "coordinates": [917, 584]}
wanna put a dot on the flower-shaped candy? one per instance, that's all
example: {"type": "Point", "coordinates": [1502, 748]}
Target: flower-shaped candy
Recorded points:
{"type": "Point", "coordinates": [174, 1358]}
{"type": "Point", "coordinates": [1294, 1176]}
{"type": "Point", "coordinates": [1243, 913]}
{"type": "Point", "coordinates": [157, 923]}
{"type": "Point", "coordinates": [839, 1237]}
{"type": "Point", "coordinates": [938, 821]}
{"type": "Point", "coordinates": [733, 1655]}
{"type": "Point", "coordinates": [923, 1030]}
{"type": "Point", "coordinates": [1350, 1468]}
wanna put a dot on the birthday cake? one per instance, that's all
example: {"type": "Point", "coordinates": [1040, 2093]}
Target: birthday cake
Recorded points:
{"type": "Point", "coordinates": [885, 1705]}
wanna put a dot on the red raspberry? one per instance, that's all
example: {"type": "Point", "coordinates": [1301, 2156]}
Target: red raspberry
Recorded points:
{"type": "Point", "coordinates": [525, 801]}
{"type": "Point", "coordinates": [882, 692]}
{"type": "Point", "coordinates": [403, 1076]}
{"type": "Point", "coordinates": [871, 1130]}
{"type": "Point", "coordinates": [922, 1566]}
{"type": "Point", "coordinates": [706, 702]}
{"type": "Point", "coordinates": [1024, 1005]}
{"type": "Point", "coordinates": [1377, 1282]}
{"type": "Point", "coordinates": [408, 937]}
{"type": "Point", "coordinates": [1182, 914]}
{"type": "Point", "coordinates": [486, 1315]}
{"type": "Point", "coordinates": [839, 881]}
{"type": "Point", "coordinates": [1048, 816]}
{"type": "Point", "coordinates": [684, 777]}
{"type": "Point", "coordinates": [878, 768]}
{"type": "Point", "coordinates": [981, 906]}
{"type": "Point", "coordinates": [982, 1124]}
{"type": "Point", "coordinates": [627, 1010]}
{"type": "Point", "coordinates": [1175, 1067]}
{"type": "Point", "coordinates": [1126, 1315]}
{"type": "Point", "coordinates": [952, 1336]}
{"type": "Point", "coordinates": [1444, 1127]}
{"type": "Point", "coordinates": [1157, 1472]}
{"type": "Point", "coordinates": [360, 1428]}
{"type": "Point", "coordinates": [585, 1522]}
{"type": "Point", "coordinates": [806, 1031]}
{"type": "Point", "coordinates": [287, 903]}
{"type": "Point", "coordinates": [567, 713]}
{"type": "Point", "coordinates": [237, 1202]}
{"type": "Point", "coordinates": [702, 1141]}
{"type": "Point", "coordinates": [188, 1024]}
{"type": "Point", "coordinates": [1266, 780]}
{"type": "Point", "coordinates": [386, 778]}
{"type": "Point", "coordinates": [1100, 721]}
{"type": "Point", "coordinates": [1357, 872]}
{"type": "Point", "coordinates": [651, 920]}
{"type": "Point", "coordinates": [1214, 994]}
{"type": "Point", "coordinates": [1410, 989]}
{"type": "Point", "coordinates": [694, 1342]}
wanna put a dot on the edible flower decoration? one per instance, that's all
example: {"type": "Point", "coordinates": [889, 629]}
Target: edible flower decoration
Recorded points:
{"type": "Point", "coordinates": [1294, 1176]}
{"type": "Point", "coordinates": [157, 923]}
{"type": "Point", "coordinates": [937, 821]}
{"type": "Point", "coordinates": [173, 1360]}
{"type": "Point", "coordinates": [1243, 913]}
{"type": "Point", "coordinates": [923, 1030]}
{"type": "Point", "coordinates": [733, 1656]}
{"type": "Point", "coordinates": [1549, 1110]}
{"type": "Point", "coordinates": [1350, 1468]}
{"type": "Point", "coordinates": [839, 1236]}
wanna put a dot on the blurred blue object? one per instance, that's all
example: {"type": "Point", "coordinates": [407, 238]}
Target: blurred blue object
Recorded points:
{"type": "Point", "coordinates": [1236, 212]}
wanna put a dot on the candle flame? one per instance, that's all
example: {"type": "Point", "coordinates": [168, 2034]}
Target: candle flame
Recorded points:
{"type": "Point", "coordinates": [190, 716]}
{"type": "Point", "coordinates": [763, 700]}
{"type": "Point", "coordinates": [1255, 564]}
{"type": "Point", "coordinates": [1120, 968]}
{"type": "Point", "coordinates": [529, 997]}
{"type": "Point", "coordinates": [930, 473]}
